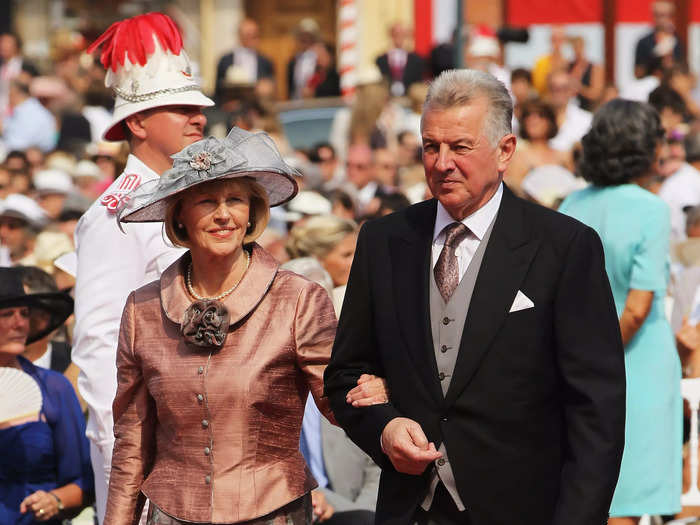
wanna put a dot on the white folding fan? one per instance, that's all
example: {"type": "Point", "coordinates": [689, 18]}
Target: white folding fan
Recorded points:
{"type": "Point", "coordinates": [20, 395]}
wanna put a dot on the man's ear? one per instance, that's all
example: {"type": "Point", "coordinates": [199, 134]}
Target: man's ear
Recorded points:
{"type": "Point", "coordinates": [504, 151]}
{"type": "Point", "coordinates": [135, 124]}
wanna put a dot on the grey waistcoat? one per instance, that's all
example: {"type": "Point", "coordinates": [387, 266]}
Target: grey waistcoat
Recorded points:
{"type": "Point", "coordinates": [447, 324]}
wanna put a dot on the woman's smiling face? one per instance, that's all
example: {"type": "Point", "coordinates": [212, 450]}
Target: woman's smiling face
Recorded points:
{"type": "Point", "coordinates": [215, 216]}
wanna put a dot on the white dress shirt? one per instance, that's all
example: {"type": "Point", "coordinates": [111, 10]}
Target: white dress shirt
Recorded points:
{"type": "Point", "coordinates": [478, 222]}
{"type": "Point", "coordinates": [110, 265]}
{"type": "Point", "coordinates": [246, 59]}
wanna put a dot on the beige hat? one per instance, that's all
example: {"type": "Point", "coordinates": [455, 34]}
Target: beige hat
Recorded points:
{"type": "Point", "coordinates": [50, 246]}
{"type": "Point", "coordinates": [147, 68]}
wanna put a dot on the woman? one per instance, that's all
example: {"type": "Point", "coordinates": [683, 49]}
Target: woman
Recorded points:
{"type": "Point", "coordinates": [45, 472]}
{"type": "Point", "coordinates": [589, 77]}
{"type": "Point", "coordinates": [215, 360]}
{"type": "Point", "coordinates": [618, 157]}
{"type": "Point", "coordinates": [538, 125]}
{"type": "Point", "coordinates": [331, 240]}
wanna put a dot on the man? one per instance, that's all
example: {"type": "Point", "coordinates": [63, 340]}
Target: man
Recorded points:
{"type": "Point", "coordinates": [573, 122]}
{"type": "Point", "coordinates": [360, 175]}
{"type": "Point", "coordinates": [30, 124]}
{"type": "Point", "coordinates": [12, 64]}
{"type": "Point", "coordinates": [159, 114]}
{"type": "Point", "coordinates": [662, 42]}
{"type": "Point", "coordinates": [507, 390]}
{"type": "Point", "coordinates": [245, 65]}
{"type": "Point", "coordinates": [302, 65]}
{"type": "Point", "coordinates": [402, 68]}
{"type": "Point", "coordinates": [681, 189]}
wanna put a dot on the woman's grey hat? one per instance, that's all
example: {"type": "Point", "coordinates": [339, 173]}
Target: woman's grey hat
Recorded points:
{"type": "Point", "coordinates": [240, 154]}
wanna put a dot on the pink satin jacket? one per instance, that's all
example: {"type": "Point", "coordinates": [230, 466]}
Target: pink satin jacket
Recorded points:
{"type": "Point", "coordinates": [214, 436]}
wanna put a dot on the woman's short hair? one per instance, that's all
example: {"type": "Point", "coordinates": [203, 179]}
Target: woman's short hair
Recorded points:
{"type": "Point", "coordinates": [259, 210]}
{"type": "Point", "coordinates": [544, 110]}
{"type": "Point", "coordinates": [621, 144]}
{"type": "Point", "coordinates": [318, 236]}
{"type": "Point", "coordinates": [458, 87]}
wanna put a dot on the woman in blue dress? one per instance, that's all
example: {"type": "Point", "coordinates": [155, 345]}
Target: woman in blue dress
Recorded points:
{"type": "Point", "coordinates": [45, 471]}
{"type": "Point", "coordinates": [619, 153]}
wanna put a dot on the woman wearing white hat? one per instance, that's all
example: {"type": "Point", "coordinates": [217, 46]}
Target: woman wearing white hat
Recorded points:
{"type": "Point", "coordinates": [216, 359]}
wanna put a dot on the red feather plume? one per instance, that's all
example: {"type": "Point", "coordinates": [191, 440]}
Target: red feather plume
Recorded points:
{"type": "Point", "coordinates": [134, 37]}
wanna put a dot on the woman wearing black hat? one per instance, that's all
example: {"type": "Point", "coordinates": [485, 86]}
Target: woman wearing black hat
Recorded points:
{"type": "Point", "coordinates": [45, 472]}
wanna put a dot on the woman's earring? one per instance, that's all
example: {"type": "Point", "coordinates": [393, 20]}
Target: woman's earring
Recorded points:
{"type": "Point", "coordinates": [180, 225]}
{"type": "Point", "coordinates": [248, 224]}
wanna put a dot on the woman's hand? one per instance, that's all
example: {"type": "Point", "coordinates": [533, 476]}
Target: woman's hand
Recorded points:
{"type": "Point", "coordinates": [42, 504]}
{"type": "Point", "coordinates": [321, 508]}
{"type": "Point", "coordinates": [370, 390]}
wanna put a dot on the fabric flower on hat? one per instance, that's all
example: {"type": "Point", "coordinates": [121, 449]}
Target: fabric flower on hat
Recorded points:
{"type": "Point", "coordinates": [202, 160]}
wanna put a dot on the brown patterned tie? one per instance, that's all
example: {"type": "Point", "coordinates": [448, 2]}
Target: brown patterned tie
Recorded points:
{"type": "Point", "coordinates": [446, 269]}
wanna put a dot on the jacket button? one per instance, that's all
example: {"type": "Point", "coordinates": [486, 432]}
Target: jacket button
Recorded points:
{"type": "Point", "coordinates": [207, 451]}
{"type": "Point", "coordinates": [205, 423]}
{"type": "Point", "coordinates": [200, 370]}
{"type": "Point", "coordinates": [444, 419]}
{"type": "Point", "coordinates": [200, 397]}
{"type": "Point", "coordinates": [207, 479]}
{"type": "Point", "coordinates": [443, 348]}
{"type": "Point", "coordinates": [441, 376]}
{"type": "Point", "coordinates": [445, 320]}
{"type": "Point", "coordinates": [441, 462]}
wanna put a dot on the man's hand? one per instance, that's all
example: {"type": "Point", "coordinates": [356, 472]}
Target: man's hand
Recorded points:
{"type": "Point", "coordinates": [408, 449]}
{"type": "Point", "coordinates": [322, 509]}
{"type": "Point", "coordinates": [370, 390]}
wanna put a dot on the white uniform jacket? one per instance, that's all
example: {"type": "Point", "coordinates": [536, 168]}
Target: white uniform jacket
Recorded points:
{"type": "Point", "coordinates": [110, 265]}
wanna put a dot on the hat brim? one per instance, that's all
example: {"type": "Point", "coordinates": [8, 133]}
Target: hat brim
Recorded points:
{"type": "Point", "coordinates": [115, 131]}
{"type": "Point", "coordinates": [58, 306]}
{"type": "Point", "coordinates": [280, 188]}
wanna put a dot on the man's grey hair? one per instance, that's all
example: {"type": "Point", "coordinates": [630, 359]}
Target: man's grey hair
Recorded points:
{"type": "Point", "coordinates": [459, 87]}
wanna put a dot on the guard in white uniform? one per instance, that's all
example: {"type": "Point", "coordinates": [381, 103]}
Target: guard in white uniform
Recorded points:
{"type": "Point", "coordinates": [159, 103]}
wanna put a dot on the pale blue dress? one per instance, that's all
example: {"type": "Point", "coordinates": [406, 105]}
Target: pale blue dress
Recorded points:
{"type": "Point", "coordinates": [634, 226]}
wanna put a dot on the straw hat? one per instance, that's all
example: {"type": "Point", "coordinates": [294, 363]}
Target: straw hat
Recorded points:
{"type": "Point", "coordinates": [147, 68]}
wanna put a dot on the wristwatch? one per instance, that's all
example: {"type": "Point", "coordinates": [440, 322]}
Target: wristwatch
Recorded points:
{"type": "Point", "coordinates": [58, 501]}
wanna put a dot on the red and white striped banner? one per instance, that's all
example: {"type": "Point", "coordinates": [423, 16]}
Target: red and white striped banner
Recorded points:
{"type": "Point", "coordinates": [348, 53]}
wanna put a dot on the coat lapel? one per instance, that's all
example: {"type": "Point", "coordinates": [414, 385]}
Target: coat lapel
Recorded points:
{"type": "Point", "coordinates": [410, 256]}
{"type": "Point", "coordinates": [506, 261]}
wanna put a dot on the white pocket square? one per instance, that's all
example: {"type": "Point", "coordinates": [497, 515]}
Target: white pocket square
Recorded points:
{"type": "Point", "coordinates": [522, 302]}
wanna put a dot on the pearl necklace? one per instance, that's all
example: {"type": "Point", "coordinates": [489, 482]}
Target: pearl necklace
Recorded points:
{"type": "Point", "coordinates": [194, 294]}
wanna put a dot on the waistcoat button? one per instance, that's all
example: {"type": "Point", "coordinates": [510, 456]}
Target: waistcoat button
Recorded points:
{"type": "Point", "coordinates": [200, 397]}
{"type": "Point", "coordinates": [205, 423]}
{"type": "Point", "coordinates": [207, 479]}
{"type": "Point", "coordinates": [207, 451]}
{"type": "Point", "coordinates": [200, 370]}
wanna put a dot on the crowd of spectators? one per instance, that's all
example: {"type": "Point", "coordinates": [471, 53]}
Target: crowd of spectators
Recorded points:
{"type": "Point", "coordinates": [55, 163]}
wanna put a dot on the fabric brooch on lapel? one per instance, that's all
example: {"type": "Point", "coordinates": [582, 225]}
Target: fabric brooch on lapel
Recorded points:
{"type": "Point", "coordinates": [205, 324]}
